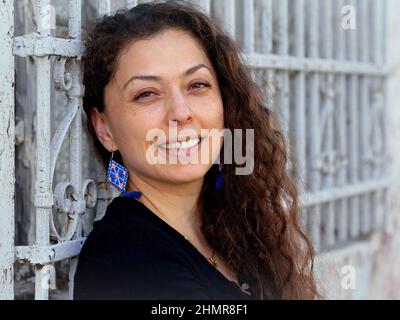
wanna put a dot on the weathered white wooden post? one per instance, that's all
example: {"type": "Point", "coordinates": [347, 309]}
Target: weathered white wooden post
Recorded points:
{"type": "Point", "coordinates": [366, 164]}
{"type": "Point", "coordinates": [353, 139]}
{"type": "Point", "coordinates": [341, 208]}
{"type": "Point", "coordinates": [44, 195]}
{"type": "Point", "coordinates": [7, 156]}
{"type": "Point", "coordinates": [314, 139]}
{"type": "Point", "coordinates": [298, 103]}
{"type": "Point", "coordinates": [328, 158]}
{"type": "Point", "coordinates": [75, 94]}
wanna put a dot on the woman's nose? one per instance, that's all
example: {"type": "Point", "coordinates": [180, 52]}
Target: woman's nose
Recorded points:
{"type": "Point", "coordinates": [178, 109]}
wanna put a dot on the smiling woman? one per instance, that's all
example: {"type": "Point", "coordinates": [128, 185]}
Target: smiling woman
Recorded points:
{"type": "Point", "coordinates": [173, 234]}
{"type": "Point", "coordinates": [150, 89]}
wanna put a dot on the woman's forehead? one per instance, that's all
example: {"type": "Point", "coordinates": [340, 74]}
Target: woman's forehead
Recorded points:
{"type": "Point", "coordinates": [173, 51]}
{"type": "Point", "coordinates": [171, 45]}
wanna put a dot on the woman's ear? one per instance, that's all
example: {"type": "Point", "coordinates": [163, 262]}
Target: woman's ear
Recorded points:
{"type": "Point", "coordinates": [102, 130]}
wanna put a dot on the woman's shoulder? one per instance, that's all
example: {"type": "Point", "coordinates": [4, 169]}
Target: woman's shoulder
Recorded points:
{"type": "Point", "coordinates": [128, 225]}
{"type": "Point", "coordinates": [131, 254]}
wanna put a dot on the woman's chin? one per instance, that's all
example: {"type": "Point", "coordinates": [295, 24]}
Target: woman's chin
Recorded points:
{"type": "Point", "coordinates": [179, 173]}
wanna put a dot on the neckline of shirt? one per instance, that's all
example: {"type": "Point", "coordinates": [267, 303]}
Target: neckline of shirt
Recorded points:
{"type": "Point", "coordinates": [182, 239]}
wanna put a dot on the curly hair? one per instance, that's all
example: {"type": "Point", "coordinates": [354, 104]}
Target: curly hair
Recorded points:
{"type": "Point", "coordinates": [253, 222]}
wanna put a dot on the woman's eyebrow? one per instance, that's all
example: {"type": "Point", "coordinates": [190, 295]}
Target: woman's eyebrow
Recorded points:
{"type": "Point", "coordinates": [156, 78]}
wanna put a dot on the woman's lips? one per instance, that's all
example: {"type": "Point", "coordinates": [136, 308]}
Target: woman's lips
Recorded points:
{"type": "Point", "coordinates": [181, 153]}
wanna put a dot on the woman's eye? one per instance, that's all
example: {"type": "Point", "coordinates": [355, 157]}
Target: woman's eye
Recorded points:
{"type": "Point", "coordinates": [196, 85]}
{"type": "Point", "coordinates": [144, 95]}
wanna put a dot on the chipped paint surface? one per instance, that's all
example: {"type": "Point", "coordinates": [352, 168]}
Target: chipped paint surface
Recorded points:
{"type": "Point", "coordinates": [7, 156]}
{"type": "Point", "coordinates": [41, 255]}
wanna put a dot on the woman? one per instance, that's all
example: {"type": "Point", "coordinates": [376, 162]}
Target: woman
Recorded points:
{"type": "Point", "coordinates": [194, 230]}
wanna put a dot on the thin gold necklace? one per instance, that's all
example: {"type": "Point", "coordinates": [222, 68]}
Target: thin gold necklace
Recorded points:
{"type": "Point", "coordinates": [244, 287]}
{"type": "Point", "coordinates": [211, 259]}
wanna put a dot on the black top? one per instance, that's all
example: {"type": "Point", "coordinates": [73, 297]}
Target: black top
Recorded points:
{"type": "Point", "coordinates": [133, 254]}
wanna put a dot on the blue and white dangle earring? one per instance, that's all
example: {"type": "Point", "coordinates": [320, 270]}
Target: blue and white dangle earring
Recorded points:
{"type": "Point", "coordinates": [117, 175]}
{"type": "Point", "coordinates": [219, 182]}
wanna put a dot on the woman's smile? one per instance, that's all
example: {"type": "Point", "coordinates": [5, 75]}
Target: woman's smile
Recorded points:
{"type": "Point", "coordinates": [185, 148]}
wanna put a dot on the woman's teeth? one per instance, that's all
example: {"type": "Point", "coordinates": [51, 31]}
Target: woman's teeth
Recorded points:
{"type": "Point", "coordinates": [181, 145]}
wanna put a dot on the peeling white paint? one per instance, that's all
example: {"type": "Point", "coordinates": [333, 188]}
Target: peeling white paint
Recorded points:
{"type": "Point", "coordinates": [7, 156]}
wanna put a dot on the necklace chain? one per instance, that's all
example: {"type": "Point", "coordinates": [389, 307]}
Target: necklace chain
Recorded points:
{"type": "Point", "coordinates": [245, 287]}
{"type": "Point", "coordinates": [211, 259]}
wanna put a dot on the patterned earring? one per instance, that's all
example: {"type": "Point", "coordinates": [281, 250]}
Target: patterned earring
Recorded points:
{"type": "Point", "coordinates": [117, 175]}
{"type": "Point", "coordinates": [219, 182]}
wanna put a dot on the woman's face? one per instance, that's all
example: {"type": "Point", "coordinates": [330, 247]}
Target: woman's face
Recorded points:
{"type": "Point", "coordinates": [162, 81]}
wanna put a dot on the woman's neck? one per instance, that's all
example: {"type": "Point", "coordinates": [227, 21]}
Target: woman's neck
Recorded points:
{"type": "Point", "coordinates": [176, 204]}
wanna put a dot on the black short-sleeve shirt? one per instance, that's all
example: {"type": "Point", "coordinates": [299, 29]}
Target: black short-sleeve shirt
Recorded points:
{"type": "Point", "coordinates": [131, 253]}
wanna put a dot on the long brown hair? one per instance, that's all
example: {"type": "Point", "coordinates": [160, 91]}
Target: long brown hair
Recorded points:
{"type": "Point", "coordinates": [253, 222]}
